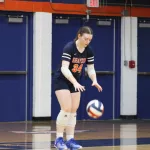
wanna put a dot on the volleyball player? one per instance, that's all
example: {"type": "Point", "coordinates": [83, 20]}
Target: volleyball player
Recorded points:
{"type": "Point", "coordinates": [67, 87]}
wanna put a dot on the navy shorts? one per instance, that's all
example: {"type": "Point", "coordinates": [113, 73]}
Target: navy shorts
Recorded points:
{"type": "Point", "coordinates": [60, 84]}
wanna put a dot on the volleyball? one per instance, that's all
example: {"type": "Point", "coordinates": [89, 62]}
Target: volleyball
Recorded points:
{"type": "Point", "coordinates": [95, 109]}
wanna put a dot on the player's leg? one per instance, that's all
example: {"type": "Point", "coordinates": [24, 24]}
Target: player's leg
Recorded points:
{"type": "Point", "coordinates": [64, 99]}
{"type": "Point", "coordinates": [70, 129]}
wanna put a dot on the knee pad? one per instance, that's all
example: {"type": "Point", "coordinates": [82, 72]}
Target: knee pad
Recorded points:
{"type": "Point", "coordinates": [72, 120]}
{"type": "Point", "coordinates": [63, 118]}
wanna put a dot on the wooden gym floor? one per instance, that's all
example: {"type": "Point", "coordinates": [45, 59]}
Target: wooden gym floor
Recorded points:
{"type": "Point", "coordinates": [92, 135]}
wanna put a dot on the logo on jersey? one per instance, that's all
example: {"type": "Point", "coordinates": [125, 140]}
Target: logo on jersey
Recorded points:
{"type": "Point", "coordinates": [78, 64]}
{"type": "Point", "coordinates": [79, 60]}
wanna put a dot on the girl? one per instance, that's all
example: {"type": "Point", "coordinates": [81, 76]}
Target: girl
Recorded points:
{"type": "Point", "coordinates": [67, 86]}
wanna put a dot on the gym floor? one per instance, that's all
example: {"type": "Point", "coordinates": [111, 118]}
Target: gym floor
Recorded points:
{"type": "Point", "coordinates": [92, 135]}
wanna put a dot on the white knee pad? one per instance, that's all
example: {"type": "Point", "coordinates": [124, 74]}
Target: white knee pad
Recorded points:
{"type": "Point", "coordinates": [72, 120]}
{"type": "Point", "coordinates": [63, 118]}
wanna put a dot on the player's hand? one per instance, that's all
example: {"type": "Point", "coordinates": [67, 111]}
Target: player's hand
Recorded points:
{"type": "Point", "coordinates": [97, 86]}
{"type": "Point", "coordinates": [78, 87]}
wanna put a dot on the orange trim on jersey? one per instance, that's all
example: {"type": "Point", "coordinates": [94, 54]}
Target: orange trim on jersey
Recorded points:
{"type": "Point", "coordinates": [79, 9]}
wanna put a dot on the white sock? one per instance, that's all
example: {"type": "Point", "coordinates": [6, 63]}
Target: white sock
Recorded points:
{"type": "Point", "coordinates": [69, 137]}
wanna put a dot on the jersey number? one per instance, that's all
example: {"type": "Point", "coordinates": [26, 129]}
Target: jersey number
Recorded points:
{"type": "Point", "coordinates": [77, 68]}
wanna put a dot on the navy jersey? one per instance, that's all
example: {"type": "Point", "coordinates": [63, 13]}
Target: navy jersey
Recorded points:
{"type": "Point", "coordinates": [76, 59]}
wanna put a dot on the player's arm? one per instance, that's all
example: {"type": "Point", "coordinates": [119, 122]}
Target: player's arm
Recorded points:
{"type": "Point", "coordinates": [91, 72]}
{"type": "Point", "coordinates": [67, 73]}
{"type": "Point", "coordinates": [92, 75]}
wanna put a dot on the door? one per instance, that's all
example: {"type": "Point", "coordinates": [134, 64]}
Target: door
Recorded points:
{"type": "Point", "coordinates": [61, 34]}
{"type": "Point", "coordinates": [13, 69]}
{"type": "Point", "coordinates": [143, 94]}
{"type": "Point", "coordinates": [103, 45]}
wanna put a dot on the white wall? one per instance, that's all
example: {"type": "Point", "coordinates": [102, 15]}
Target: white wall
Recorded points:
{"type": "Point", "coordinates": [128, 75]}
{"type": "Point", "coordinates": [42, 49]}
